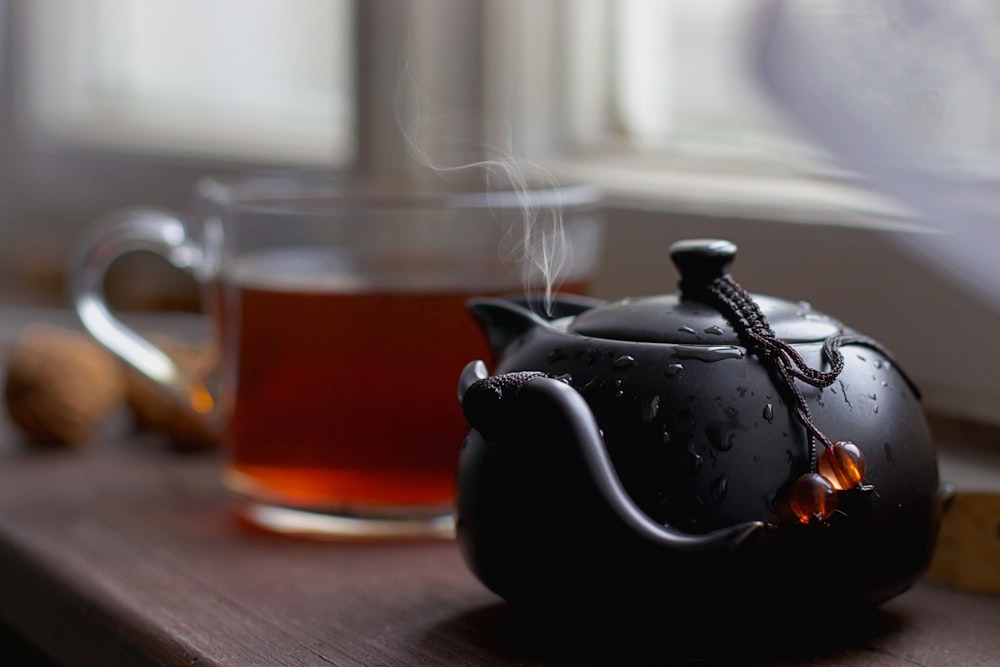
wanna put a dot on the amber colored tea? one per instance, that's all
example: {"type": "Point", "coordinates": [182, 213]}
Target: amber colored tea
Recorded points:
{"type": "Point", "coordinates": [344, 396]}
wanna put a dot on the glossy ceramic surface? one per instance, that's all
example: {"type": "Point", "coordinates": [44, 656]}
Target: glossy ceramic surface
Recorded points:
{"type": "Point", "coordinates": [637, 456]}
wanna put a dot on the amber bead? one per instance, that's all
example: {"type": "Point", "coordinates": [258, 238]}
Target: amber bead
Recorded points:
{"type": "Point", "coordinates": [843, 465]}
{"type": "Point", "coordinates": [812, 497]}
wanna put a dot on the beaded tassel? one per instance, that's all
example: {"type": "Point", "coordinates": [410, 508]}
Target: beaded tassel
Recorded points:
{"type": "Point", "coordinates": [841, 466]}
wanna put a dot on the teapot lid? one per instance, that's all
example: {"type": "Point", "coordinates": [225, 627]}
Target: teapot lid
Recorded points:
{"type": "Point", "coordinates": [686, 318]}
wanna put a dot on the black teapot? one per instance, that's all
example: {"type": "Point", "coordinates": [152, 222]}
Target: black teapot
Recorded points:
{"type": "Point", "coordinates": [707, 452]}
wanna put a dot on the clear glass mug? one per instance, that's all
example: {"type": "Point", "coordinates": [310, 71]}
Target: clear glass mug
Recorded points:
{"type": "Point", "coordinates": [340, 332]}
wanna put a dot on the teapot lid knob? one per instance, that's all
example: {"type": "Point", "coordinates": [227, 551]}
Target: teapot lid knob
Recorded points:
{"type": "Point", "coordinates": [700, 261]}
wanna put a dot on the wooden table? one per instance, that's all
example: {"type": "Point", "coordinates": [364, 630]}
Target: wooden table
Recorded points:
{"type": "Point", "coordinates": [126, 553]}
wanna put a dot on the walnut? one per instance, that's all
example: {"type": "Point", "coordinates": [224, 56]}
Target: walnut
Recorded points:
{"type": "Point", "coordinates": [153, 408]}
{"type": "Point", "coordinates": [60, 385]}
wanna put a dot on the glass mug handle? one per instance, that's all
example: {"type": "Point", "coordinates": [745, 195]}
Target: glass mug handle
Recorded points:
{"type": "Point", "coordinates": [135, 230]}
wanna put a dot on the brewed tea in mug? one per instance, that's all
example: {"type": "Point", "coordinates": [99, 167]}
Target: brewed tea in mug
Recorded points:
{"type": "Point", "coordinates": [321, 361]}
{"type": "Point", "coordinates": [340, 322]}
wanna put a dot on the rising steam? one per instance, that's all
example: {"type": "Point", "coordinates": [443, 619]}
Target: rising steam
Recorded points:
{"type": "Point", "coordinates": [523, 195]}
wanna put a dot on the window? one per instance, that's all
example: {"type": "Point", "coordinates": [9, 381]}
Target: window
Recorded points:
{"type": "Point", "coordinates": [258, 80]}
{"type": "Point", "coordinates": [273, 82]}
{"type": "Point", "coordinates": [683, 73]}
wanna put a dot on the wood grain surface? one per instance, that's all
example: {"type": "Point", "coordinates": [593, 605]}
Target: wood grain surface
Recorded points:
{"type": "Point", "coordinates": [126, 553]}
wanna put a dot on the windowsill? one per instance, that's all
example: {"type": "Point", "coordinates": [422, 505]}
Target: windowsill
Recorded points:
{"type": "Point", "coordinates": [738, 187]}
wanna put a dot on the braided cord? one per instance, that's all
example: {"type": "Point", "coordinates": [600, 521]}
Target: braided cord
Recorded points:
{"type": "Point", "coordinates": [753, 328]}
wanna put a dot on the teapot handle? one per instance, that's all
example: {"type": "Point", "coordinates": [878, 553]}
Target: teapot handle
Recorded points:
{"type": "Point", "coordinates": [539, 394]}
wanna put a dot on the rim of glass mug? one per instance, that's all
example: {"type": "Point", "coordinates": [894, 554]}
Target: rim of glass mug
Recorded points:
{"type": "Point", "coordinates": [314, 193]}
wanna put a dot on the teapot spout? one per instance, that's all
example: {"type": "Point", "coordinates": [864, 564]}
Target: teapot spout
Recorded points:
{"type": "Point", "coordinates": [503, 321]}
{"type": "Point", "coordinates": [492, 405]}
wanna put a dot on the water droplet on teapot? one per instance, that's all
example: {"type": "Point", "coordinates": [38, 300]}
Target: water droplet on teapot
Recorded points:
{"type": "Point", "coordinates": [617, 384]}
{"type": "Point", "coordinates": [720, 486]}
{"type": "Point", "coordinates": [695, 460]}
{"type": "Point", "coordinates": [843, 392]}
{"type": "Point", "coordinates": [624, 361]}
{"type": "Point", "coordinates": [706, 353]}
{"type": "Point", "coordinates": [672, 370]}
{"type": "Point", "coordinates": [687, 330]}
{"type": "Point", "coordinates": [769, 413]}
{"type": "Point", "coordinates": [650, 408]}
{"type": "Point", "coordinates": [722, 439]}
{"type": "Point", "coordinates": [715, 330]}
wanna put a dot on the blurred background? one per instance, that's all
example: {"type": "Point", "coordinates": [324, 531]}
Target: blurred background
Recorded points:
{"type": "Point", "coordinates": [669, 106]}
